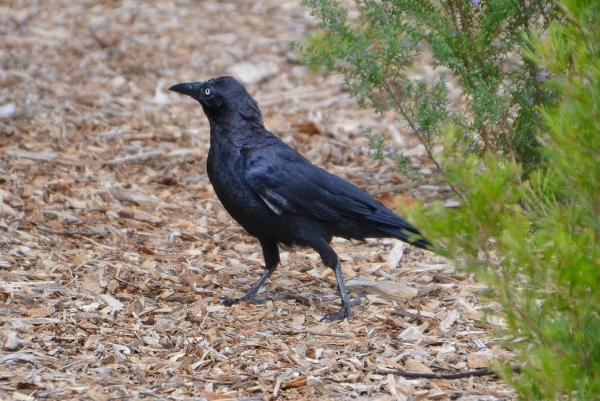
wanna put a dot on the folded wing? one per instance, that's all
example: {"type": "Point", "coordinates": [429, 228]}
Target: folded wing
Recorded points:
{"type": "Point", "coordinates": [285, 180]}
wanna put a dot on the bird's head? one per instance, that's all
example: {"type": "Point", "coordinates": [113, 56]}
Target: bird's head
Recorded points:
{"type": "Point", "coordinates": [221, 98]}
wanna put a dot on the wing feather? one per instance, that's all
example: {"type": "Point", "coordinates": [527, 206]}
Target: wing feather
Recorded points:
{"type": "Point", "coordinates": [285, 180]}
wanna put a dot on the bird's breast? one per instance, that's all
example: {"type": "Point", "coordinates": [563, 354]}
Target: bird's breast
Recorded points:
{"type": "Point", "coordinates": [225, 167]}
{"type": "Point", "coordinates": [225, 172]}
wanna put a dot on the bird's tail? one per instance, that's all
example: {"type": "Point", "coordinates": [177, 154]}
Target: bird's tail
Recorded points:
{"type": "Point", "coordinates": [411, 237]}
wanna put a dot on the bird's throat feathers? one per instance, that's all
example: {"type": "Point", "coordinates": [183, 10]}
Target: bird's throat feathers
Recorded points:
{"type": "Point", "coordinates": [247, 118]}
{"type": "Point", "coordinates": [247, 110]}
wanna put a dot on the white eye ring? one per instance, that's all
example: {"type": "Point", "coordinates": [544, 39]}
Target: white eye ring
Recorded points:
{"type": "Point", "coordinates": [207, 91]}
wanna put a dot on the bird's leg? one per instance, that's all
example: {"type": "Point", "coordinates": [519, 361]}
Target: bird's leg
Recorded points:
{"type": "Point", "coordinates": [271, 254]}
{"type": "Point", "coordinates": [331, 260]}
{"type": "Point", "coordinates": [345, 310]}
{"type": "Point", "coordinates": [251, 295]}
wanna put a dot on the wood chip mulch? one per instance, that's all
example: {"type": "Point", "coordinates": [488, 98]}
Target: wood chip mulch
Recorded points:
{"type": "Point", "coordinates": [114, 251]}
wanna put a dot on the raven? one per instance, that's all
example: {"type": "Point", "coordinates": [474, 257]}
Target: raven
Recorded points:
{"type": "Point", "coordinates": [277, 195]}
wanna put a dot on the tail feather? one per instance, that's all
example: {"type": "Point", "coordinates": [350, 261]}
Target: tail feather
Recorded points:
{"type": "Point", "coordinates": [414, 238]}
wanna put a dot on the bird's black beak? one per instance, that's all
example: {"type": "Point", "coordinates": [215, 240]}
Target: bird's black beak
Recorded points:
{"type": "Point", "coordinates": [191, 89]}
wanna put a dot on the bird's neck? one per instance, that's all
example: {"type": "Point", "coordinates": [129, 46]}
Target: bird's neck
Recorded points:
{"type": "Point", "coordinates": [241, 133]}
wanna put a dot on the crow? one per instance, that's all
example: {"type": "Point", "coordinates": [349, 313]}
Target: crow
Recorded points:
{"type": "Point", "coordinates": [277, 195]}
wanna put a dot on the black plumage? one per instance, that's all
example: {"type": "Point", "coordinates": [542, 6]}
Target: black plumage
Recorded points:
{"type": "Point", "coordinates": [277, 195]}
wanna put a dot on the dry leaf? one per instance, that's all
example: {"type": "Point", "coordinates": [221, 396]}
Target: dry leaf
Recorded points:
{"type": "Point", "coordinates": [408, 201]}
{"type": "Point", "coordinates": [388, 200]}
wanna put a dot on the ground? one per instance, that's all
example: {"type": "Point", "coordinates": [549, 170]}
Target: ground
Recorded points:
{"type": "Point", "coordinates": [114, 251]}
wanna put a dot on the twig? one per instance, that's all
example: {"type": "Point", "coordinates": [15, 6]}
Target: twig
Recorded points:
{"type": "Point", "coordinates": [462, 375]}
{"type": "Point", "coordinates": [534, 327]}
{"type": "Point", "coordinates": [394, 188]}
{"type": "Point", "coordinates": [99, 245]}
{"type": "Point", "coordinates": [340, 335]}
{"type": "Point", "coordinates": [76, 363]}
{"type": "Point", "coordinates": [409, 315]}
{"type": "Point", "coordinates": [226, 382]}
{"type": "Point", "coordinates": [511, 152]}
{"type": "Point", "coordinates": [427, 148]}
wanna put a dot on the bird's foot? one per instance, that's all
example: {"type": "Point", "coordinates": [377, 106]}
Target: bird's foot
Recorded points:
{"type": "Point", "coordinates": [246, 298]}
{"type": "Point", "coordinates": [345, 310]}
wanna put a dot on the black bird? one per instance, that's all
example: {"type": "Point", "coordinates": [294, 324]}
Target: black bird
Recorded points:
{"type": "Point", "coordinates": [277, 195]}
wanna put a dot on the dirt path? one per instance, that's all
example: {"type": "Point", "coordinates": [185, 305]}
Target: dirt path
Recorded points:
{"type": "Point", "coordinates": [114, 251]}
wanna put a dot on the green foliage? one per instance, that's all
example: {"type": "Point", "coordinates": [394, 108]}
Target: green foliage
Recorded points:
{"type": "Point", "coordinates": [382, 149]}
{"type": "Point", "coordinates": [565, 203]}
{"type": "Point", "coordinates": [479, 42]}
{"type": "Point", "coordinates": [523, 155]}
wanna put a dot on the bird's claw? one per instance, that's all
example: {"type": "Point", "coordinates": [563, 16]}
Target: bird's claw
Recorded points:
{"type": "Point", "coordinates": [345, 310]}
{"type": "Point", "coordinates": [343, 313]}
{"type": "Point", "coordinates": [356, 301]}
{"type": "Point", "coordinates": [250, 299]}
{"type": "Point", "coordinates": [230, 301]}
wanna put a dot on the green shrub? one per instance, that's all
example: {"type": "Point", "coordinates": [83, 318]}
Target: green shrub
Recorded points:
{"type": "Point", "coordinates": [523, 155]}
{"type": "Point", "coordinates": [478, 41]}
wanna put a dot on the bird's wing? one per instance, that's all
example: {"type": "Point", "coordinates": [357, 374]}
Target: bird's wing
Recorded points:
{"type": "Point", "coordinates": [285, 180]}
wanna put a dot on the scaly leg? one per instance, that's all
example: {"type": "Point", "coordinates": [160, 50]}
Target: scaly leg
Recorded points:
{"type": "Point", "coordinates": [331, 260]}
{"type": "Point", "coordinates": [271, 255]}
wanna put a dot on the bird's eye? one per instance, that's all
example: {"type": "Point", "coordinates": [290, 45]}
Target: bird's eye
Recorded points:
{"type": "Point", "coordinates": [207, 91]}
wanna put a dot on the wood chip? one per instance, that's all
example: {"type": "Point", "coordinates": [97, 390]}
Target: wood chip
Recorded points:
{"type": "Point", "coordinates": [416, 366]}
{"type": "Point", "coordinates": [396, 254]}
{"type": "Point", "coordinates": [450, 319]}
{"type": "Point", "coordinates": [478, 360]}
{"type": "Point", "coordinates": [41, 312]}
{"type": "Point", "coordinates": [129, 195]}
{"type": "Point", "coordinates": [389, 290]}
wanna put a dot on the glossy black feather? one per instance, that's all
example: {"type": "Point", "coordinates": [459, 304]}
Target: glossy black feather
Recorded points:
{"type": "Point", "coordinates": [276, 194]}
